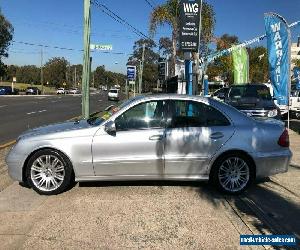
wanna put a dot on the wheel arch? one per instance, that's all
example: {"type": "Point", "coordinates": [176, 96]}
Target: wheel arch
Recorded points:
{"type": "Point", "coordinates": [229, 152]}
{"type": "Point", "coordinates": [24, 180]}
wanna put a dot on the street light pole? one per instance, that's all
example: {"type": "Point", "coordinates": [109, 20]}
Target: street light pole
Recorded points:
{"type": "Point", "coordinates": [42, 74]}
{"type": "Point", "coordinates": [141, 69]}
{"type": "Point", "coordinates": [86, 60]}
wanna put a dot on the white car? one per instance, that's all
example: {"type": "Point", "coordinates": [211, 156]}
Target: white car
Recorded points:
{"type": "Point", "coordinates": [113, 94]}
{"type": "Point", "coordinates": [74, 91]}
{"type": "Point", "coordinates": [295, 103]}
{"type": "Point", "coordinates": [60, 91]}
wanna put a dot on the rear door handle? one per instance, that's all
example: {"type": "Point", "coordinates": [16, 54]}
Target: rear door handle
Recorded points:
{"type": "Point", "coordinates": [156, 137]}
{"type": "Point", "coordinates": [217, 135]}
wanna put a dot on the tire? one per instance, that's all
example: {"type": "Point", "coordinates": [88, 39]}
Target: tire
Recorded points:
{"type": "Point", "coordinates": [49, 179]}
{"type": "Point", "coordinates": [233, 173]}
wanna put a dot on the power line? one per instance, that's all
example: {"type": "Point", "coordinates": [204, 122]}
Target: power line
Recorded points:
{"type": "Point", "coordinates": [150, 4]}
{"type": "Point", "coordinates": [68, 49]}
{"type": "Point", "coordinates": [119, 19]}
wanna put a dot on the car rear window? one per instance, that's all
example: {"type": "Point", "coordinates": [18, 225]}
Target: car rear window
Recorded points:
{"type": "Point", "coordinates": [113, 91]}
{"type": "Point", "coordinates": [256, 91]}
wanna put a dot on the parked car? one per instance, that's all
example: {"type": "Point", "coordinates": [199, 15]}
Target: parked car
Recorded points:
{"type": "Point", "coordinates": [220, 94]}
{"type": "Point", "coordinates": [113, 94]}
{"type": "Point", "coordinates": [254, 100]}
{"type": "Point", "coordinates": [295, 103]}
{"type": "Point", "coordinates": [160, 137]}
{"type": "Point", "coordinates": [74, 91]}
{"type": "Point", "coordinates": [60, 91]}
{"type": "Point", "coordinates": [7, 90]}
{"type": "Point", "coordinates": [33, 91]}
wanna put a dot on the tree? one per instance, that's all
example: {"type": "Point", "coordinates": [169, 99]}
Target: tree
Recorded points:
{"type": "Point", "coordinates": [168, 13]}
{"type": "Point", "coordinates": [258, 65]}
{"type": "Point", "coordinates": [28, 74]}
{"type": "Point", "coordinates": [6, 35]}
{"type": "Point", "coordinates": [223, 66]}
{"type": "Point", "coordinates": [150, 73]}
{"type": "Point", "coordinates": [55, 71]}
{"type": "Point", "coordinates": [296, 62]}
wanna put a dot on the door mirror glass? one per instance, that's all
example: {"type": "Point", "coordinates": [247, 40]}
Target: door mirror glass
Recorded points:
{"type": "Point", "coordinates": [110, 128]}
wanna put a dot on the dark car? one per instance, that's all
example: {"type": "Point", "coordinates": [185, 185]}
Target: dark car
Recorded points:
{"type": "Point", "coordinates": [254, 100]}
{"type": "Point", "coordinates": [220, 94]}
{"type": "Point", "coordinates": [7, 90]}
{"type": "Point", "coordinates": [33, 91]}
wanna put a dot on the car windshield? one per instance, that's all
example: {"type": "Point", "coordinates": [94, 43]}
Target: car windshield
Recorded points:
{"type": "Point", "coordinates": [104, 115]}
{"type": "Point", "coordinates": [256, 91]}
{"type": "Point", "coordinates": [115, 91]}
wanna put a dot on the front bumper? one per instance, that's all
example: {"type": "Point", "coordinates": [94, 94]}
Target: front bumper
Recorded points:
{"type": "Point", "coordinates": [15, 162]}
{"type": "Point", "coordinates": [272, 163]}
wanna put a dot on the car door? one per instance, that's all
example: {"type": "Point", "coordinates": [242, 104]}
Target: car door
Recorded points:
{"type": "Point", "coordinates": [195, 133]}
{"type": "Point", "coordinates": [136, 149]}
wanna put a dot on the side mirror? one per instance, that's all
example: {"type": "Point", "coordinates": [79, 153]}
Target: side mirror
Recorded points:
{"type": "Point", "coordinates": [110, 128]}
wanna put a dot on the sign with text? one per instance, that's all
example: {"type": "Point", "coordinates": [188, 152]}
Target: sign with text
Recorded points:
{"type": "Point", "coordinates": [131, 73]}
{"type": "Point", "coordinates": [101, 47]}
{"type": "Point", "coordinates": [189, 25]}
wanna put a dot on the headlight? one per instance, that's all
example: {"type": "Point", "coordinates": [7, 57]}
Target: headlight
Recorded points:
{"type": "Point", "coordinates": [273, 113]}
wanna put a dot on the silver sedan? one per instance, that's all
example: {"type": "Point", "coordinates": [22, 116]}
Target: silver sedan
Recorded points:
{"type": "Point", "coordinates": [163, 137]}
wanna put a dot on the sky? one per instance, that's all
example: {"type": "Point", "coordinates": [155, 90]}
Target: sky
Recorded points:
{"type": "Point", "coordinates": [60, 23]}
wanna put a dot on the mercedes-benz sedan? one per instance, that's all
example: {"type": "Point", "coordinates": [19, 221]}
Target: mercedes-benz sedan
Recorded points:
{"type": "Point", "coordinates": [163, 137]}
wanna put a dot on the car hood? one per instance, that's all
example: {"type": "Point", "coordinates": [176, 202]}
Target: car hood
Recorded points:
{"type": "Point", "coordinates": [56, 128]}
{"type": "Point", "coordinates": [251, 103]}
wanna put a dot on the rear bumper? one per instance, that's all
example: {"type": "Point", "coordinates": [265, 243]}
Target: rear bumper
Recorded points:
{"type": "Point", "coordinates": [272, 163]}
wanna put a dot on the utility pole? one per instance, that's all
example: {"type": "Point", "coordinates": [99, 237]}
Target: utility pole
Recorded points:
{"type": "Point", "coordinates": [198, 75]}
{"type": "Point", "coordinates": [75, 78]}
{"type": "Point", "coordinates": [42, 73]}
{"type": "Point", "coordinates": [86, 60]}
{"type": "Point", "coordinates": [141, 69]}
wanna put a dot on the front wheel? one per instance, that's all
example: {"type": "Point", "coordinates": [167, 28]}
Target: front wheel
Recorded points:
{"type": "Point", "coordinates": [49, 172]}
{"type": "Point", "coordinates": [233, 173]}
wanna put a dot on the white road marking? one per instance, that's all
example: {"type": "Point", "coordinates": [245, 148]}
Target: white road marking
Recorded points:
{"type": "Point", "coordinates": [40, 97]}
{"type": "Point", "coordinates": [3, 106]}
{"type": "Point", "coordinates": [40, 111]}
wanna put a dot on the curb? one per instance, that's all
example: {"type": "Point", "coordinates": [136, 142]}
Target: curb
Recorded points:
{"type": "Point", "coordinates": [3, 146]}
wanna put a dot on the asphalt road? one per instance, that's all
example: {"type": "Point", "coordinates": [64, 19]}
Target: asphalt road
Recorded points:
{"type": "Point", "coordinates": [19, 113]}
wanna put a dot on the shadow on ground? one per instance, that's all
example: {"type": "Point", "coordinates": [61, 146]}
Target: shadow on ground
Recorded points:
{"type": "Point", "coordinates": [269, 209]}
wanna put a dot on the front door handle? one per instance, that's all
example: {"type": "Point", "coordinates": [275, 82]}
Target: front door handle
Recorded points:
{"type": "Point", "coordinates": [156, 137]}
{"type": "Point", "coordinates": [217, 135]}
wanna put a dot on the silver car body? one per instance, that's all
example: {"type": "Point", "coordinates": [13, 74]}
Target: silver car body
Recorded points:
{"type": "Point", "coordinates": [181, 154]}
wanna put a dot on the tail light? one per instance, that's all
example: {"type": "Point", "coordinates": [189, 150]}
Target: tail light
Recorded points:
{"type": "Point", "coordinates": [284, 140]}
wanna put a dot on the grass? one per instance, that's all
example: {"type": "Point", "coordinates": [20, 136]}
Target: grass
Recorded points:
{"type": "Point", "coordinates": [23, 86]}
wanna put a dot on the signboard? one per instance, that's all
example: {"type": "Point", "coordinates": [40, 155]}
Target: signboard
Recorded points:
{"type": "Point", "coordinates": [101, 47]}
{"type": "Point", "coordinates": [131, 73]}
{"type": "Point", "coordinates": [14, 79]}
{"type": "Point", "coordinates": [240, 65]}
{"type": "Point", "coordinates": [189, 25]}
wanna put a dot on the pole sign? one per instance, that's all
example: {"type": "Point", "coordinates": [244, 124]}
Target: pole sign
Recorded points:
{"type": "Point", "coordinates": [131, 73]}
{"type": "Point", "coordinates": [189, 25]}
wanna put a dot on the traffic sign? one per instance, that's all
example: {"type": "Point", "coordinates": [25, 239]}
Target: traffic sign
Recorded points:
{"type": "Point", "coordinates": [131, 72]}
{"type": "Point", "coordinates": [189, 25]}
{"type": "Point", "coordinates": [101, 47]}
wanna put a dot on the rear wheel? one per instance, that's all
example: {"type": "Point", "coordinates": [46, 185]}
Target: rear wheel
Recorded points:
{"type": "Point", "coordinates": [233, 173]}
{"type": "Point", "coordinates": [49, 172]}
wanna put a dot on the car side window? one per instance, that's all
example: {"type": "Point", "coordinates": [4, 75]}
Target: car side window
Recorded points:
{"type": "Point", "coordinates": [194, 114]}
{"type": "Point", "coordinates": [142, 116]}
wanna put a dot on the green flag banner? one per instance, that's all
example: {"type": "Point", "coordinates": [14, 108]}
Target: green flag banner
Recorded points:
{"type": "Point", "coordinates": [240, 65]}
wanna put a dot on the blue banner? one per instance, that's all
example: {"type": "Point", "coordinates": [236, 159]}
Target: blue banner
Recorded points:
{"type": "Point", "coordinates": [278, 43]}
{"type": "Point", "coordinates": [297, 77]}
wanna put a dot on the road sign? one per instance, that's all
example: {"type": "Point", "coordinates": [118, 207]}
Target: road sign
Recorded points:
{"type": "Point", "coordinates": [189, 25]}
{"type": "Point", "coordinates": [101, 47]}
{"type": "Point", "coordinates": [14, 79]}
{"type": "Point", "coordinates": [131, 73]}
